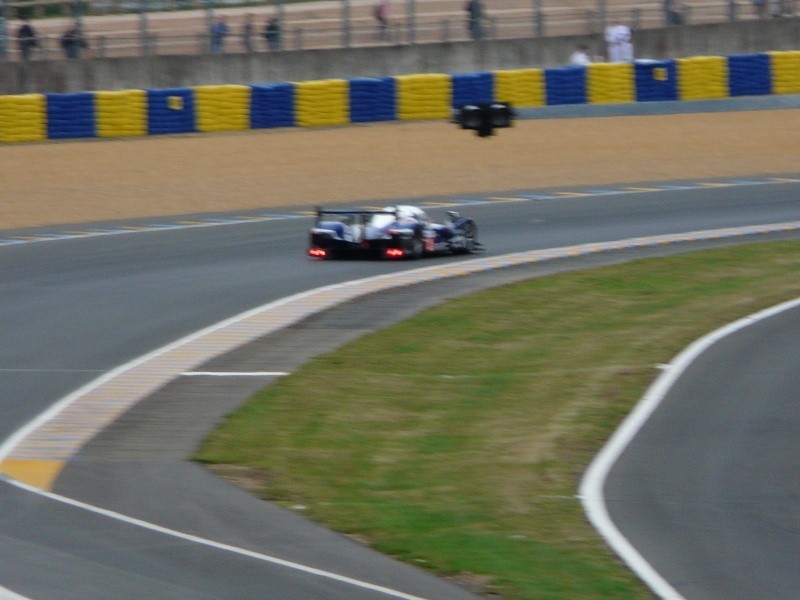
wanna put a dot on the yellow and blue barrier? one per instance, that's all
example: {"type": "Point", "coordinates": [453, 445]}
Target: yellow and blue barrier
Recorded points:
{"type": "Point", "coordinates": [520, 87]}
{"type": "Point", "coordinates": [610, 83]}
{"type": "Point", "coordinates": [655, 80]}
{"type": "Point", "coordinates": [785, 72]}
{"type": "Point", "coordinates": [373, 99]}
{"type": "Point", "coordinates": [321, 103]}
{"type": "Point", "coordinates": [703, 78]}
{"type": "Point", "coordinates": [70, 115]}
{"type": "Point", "coordinates": [428, 96]}
{"type": "Point", "coordinates": [121, 114]}
{"type": "Point", "coordinates": [36, 117]}
{"type": "Point", "coordinates": [470, 88]}
{"type": "Point", "coordinates": [749, 75]}
{"type": "Point", "coordinates": [566, 85]}
{"type": "Point", "coordinates": [170, 111]}
{"type": "Point", "coordinates": [23, 118]}
{"type": "Point", "coordinates": [272, 105]}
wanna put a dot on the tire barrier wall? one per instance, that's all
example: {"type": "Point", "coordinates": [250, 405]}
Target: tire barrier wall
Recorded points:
{"type": "Point", "coordinates": [321, 103]}
{"type": "Point", "coordinates": [36, 117]}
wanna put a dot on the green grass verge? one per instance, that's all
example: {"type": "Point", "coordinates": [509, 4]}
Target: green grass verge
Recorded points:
{"type": "Point", "coordinates": [456, 440]}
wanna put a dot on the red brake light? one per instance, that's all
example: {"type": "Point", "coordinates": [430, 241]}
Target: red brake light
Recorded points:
{"type": "Point", "coordinates": [394, 253]}
{"type": "Point", "coordinates": [317, 252]}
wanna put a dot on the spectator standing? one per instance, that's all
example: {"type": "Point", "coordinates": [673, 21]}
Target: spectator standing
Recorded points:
{"type": "Point", "coordinates": [581, 56]}
{"type": "Point", "coordinates": [247, 32]}
{"type": "Point", "coordinates": [474, 10]}
{"type": "Point", "coordinates": [618, 38]}
{"type": "Point", "coordinates": [272, 33]}
{"type": "Point", "coordinates": [27, 40]}
{"type": "Point", "coordinates": [673, 12]}
{"type": "Point", "coordinates": [73, 41]}
{"type": "Point", "coordinates": [219, 31]}
{"type": "Point", "coordinates": [383, 12]}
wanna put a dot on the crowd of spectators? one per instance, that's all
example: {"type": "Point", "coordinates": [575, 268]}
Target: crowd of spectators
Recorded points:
{"type": "Point", "coordinates": [219, 32]}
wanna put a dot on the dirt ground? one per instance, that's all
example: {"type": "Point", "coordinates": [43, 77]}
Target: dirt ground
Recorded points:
{"type": "Point", "coordinates": [77, 181]}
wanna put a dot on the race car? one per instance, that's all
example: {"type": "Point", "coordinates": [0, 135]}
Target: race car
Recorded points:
{"type": "Point", "coordinates": [394, 232]}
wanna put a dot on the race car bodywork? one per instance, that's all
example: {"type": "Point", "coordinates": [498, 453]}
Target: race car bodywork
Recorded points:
{"type": "Point", "coordinates": [393, 232]}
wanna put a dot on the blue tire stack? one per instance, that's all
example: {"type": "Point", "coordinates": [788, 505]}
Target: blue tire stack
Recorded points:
{"type": "Point", "coordinates": [70, 115]}
{"type": "Point", "coordinates": [272, 105]}
{"type": "Point", "coordinates": [170, 110]}
{"type": "Point", "coordinates": [372, 99]}
{"type": "Point", "coordinates": [565, 85]}
{"type": "Point", "coordinates": [655, 80]}
{"type": "Point", "coordinates": [471, 88]}
{"type": "Point", "coordinates": [749, 75]}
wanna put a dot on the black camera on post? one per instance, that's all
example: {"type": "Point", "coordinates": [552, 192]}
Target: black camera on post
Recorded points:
{"type": "Point", "coordinates": [484, 117]}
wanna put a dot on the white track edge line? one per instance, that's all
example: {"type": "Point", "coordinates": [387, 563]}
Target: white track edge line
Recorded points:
{"type": "Point", "coordinates": [6, 594]}
{"type": "Point", "coordinates": [593, 481]}
{"type": "Point", "coordinates": [217, 545]}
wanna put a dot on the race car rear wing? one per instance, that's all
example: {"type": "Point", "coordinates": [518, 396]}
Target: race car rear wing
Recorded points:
{"type": "Point", "coordinates": [352, 212]}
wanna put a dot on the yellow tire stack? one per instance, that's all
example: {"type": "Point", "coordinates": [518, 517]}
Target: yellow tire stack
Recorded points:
{"type": "Point", "coordinates": [427, 96]}
{"type": "Point", "coordinates": [608, 83]}
{"type": "Point", "coordinates": [23, 118]}
{"type": "Point", "coordinates": [322, 103]}
{"type": "Point", "coordinates": [222, 107]}
{"type": "Point", "coordinates": [785, 67]}
{"type": "Point", "coordinates": [521, 87]}
{"type": "Point", "coordinates": [703, 78]}
{"type": "Point", "coordinates": [121, 114]}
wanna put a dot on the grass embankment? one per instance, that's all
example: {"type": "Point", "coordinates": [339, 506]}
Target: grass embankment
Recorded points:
{"type": "Point", "coordinates": [457, 439]}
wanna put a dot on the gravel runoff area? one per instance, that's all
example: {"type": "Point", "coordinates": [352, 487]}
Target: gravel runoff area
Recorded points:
{"type": "Point", "coordinates": [80, 181]}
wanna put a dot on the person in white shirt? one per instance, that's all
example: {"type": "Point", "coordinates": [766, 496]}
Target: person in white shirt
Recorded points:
{"type": "Point", "coordinates": [618, 38]}
{"type": "Point", "coordinates": [581, 56]}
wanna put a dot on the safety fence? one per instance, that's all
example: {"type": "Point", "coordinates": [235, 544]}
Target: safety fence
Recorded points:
{"type": "Point", "coordinates": [37, 117]}
{"type": "Point", "coordinates": [151, 28]}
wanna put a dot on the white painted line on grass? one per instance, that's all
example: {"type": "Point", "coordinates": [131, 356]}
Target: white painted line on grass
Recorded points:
{"type": "Point", "coordinates": [236, 374]}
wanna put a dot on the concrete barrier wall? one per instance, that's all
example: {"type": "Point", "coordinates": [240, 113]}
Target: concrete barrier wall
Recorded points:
{"type": "Point", "coordinates": [229, 107]}
{"type": "Point", "coordinates": [458, 57]}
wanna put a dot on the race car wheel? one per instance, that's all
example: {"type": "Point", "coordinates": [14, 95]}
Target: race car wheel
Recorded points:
{"type": "Point", "coordinates": [470, 232]}
{"type": "Point", "coordinates": [415, 247]}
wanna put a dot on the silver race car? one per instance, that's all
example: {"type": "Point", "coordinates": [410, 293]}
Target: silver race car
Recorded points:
{"type": "Point", "coordinates": [394, 232]}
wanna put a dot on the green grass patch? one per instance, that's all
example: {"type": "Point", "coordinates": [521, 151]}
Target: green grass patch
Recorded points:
{"type": "Point", "coordinates": [456, 440]}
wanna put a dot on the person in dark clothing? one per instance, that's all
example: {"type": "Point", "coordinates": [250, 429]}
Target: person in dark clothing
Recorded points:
{"type": "Point", "coordinates": [272, 33]}
{"type": "Point", "coordinates": [219, 31]}
{"type": "Point", "coordinates": [73, 42]}
{"type": "Point", "coordinates": [26, 38]}
{"type": "Point", "coordinates": [673, 12]}
{"type": "Point", "coordinates": [247, 33]}
{"type": "Point", "coordinates": [474, 10]}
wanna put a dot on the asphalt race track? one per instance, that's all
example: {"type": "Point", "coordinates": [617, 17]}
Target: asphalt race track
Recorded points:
{"type": "Point", "coordinates": [75, 308]}
{"type": "Point", "coordinates": [708, 490]}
